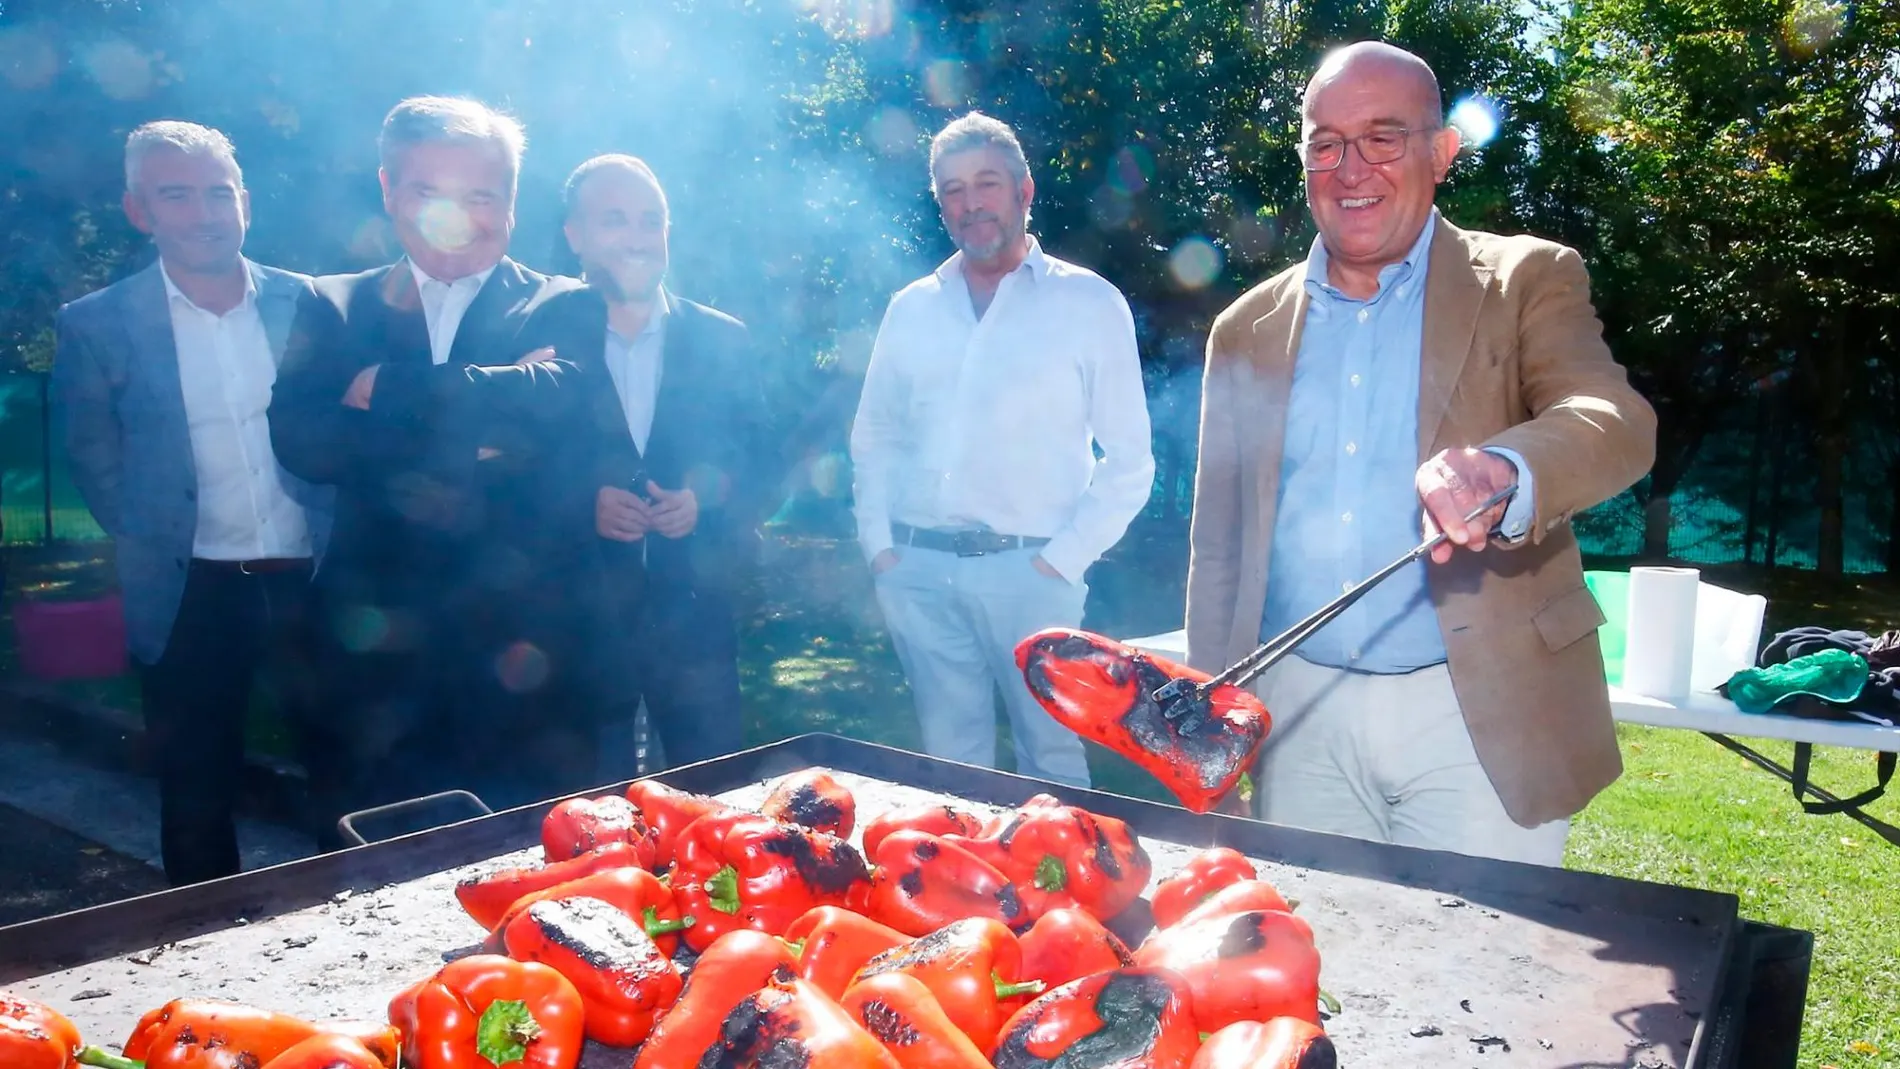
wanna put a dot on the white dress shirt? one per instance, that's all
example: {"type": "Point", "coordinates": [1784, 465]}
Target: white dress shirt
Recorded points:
{"type": "Point", "coordinates": [444, 304]}
{"type": "Point", "coordinates": [634, 364]}
{"type": "Point", "coordinates": [226, 370]}
{"type": "Point", "coordinates": [968, 422]}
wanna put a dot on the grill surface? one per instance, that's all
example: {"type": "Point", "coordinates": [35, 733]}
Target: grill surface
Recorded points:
{"type": "Point", "coordinates": [1437, 958]}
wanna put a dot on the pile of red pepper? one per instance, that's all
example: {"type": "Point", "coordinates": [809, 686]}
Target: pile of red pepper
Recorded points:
{"type": "Point", "coordinates": [704, 934]}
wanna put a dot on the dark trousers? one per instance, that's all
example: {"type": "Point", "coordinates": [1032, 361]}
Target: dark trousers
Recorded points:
{"type": "Point", "coordinates": [234, 630]}
{"type": "Point", "coordinates": [685, 660]}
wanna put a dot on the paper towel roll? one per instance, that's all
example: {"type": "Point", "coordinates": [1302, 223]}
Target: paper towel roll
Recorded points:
{"type": "Point", "coordinates": [1661, 646]}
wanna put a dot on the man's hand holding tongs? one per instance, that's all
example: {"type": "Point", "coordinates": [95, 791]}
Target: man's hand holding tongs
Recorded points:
{"type": "Point", "coordinates": [1451, 485]}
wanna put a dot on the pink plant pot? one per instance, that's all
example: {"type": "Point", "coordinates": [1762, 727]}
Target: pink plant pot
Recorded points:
{"type": "Point", "coordinates": [71, 639]}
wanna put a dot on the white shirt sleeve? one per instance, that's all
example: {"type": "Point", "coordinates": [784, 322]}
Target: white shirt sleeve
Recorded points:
{"type": "Point", "coordinates": [875, 438]}
{"type": "Point", "coordinates": [1124, 476]}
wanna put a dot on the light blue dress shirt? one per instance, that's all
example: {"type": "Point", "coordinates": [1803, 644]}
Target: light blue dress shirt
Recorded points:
{"type": "Point", "coordinates": [1348, 499]}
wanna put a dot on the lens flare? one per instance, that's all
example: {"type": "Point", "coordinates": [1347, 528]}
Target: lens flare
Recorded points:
{"type": "Point", "coordinates": [831, 475]}
{"type": "Point", "coordinates": [1812, 25]}
{"type": "Point", "coordinates": [1476, 120]}
{"type": "Point", "coordinates": [946, 83]}
{"type": "Point", "coordinates": [1195, 262]}
{"type": "Point", "coordinates": [1592, 105]}
{"type": "Point", "coordinates": [27, 59]}
{"type": "Point", "coordinates": [122, 70]}
{"type": "Point", "coordinates": [1110, 208]}
{"type": "Point", "coordinates": [1132, 170]}
{"type": "Point", "coordinates": [444, 225]}
{"type": "Point", "coordinates": [522, 667]}
{"type": "Point", "coordinates": [892, 132]}
{"type": "Point", "coordinates": [361, 628]}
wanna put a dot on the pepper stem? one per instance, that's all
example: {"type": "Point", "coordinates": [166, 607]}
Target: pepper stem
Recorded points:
{"type": "Point", "coordinates": [1246, 787]}
{"type": "Point", "coordinates": [797, 946]}
{"type": "Point", "coordinates": [1330, 1003]}
{"type": "Point", "coordinates": [722, 890]}
{"type": "Point", "coordinates": [107, 1060]}
{"type": "Point", "coordinates": [1027, 987]}
{"type": "Point", "coordinates": [1051, 874]}
{"type": "Point", "coordinates": [504, 1031]}
{"type": "Point", "coordinates": [655, 926]}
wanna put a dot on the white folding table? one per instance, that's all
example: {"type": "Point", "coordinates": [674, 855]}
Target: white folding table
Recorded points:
{"type": "Point", "coordinates": [1719, 719]}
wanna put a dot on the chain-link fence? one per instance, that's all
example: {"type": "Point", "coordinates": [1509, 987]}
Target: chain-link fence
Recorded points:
{"type": "Point", "coordinates": [38, 502]}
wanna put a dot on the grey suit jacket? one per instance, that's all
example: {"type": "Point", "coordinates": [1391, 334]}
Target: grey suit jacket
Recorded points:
{"type": "Point", "coordinates": [120, 414]}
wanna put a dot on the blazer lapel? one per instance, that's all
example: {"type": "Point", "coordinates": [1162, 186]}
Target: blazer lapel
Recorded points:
{"type": "Point", "coordinates": [406, 328]}
{"type": "Point", "coordinates": [499, 296]}
{"type": "Point", "coordinates": [276, 306]}
{"type": "Point", "coordinates": [1454, 295]}
{"type": "Point", "coordinates": [155, 355]}
{"type": "Point", "coordinates": [610, 418]}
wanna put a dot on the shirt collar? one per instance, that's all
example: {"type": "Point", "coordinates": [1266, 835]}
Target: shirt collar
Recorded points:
{"type": "Point", "coordinates": [477, 280]}
{"type": "Point", "coordinates": [1036, 261]}
{"type": "Point", "coordinates": [662, 308]}
{"type": "Point", "coordinates": [173, 293]}
{"type": "Point", "coordinates": [1390, 276]}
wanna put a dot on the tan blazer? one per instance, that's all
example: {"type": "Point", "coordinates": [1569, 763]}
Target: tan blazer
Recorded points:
{"type": "Point", "coordinates": [1513, 355]}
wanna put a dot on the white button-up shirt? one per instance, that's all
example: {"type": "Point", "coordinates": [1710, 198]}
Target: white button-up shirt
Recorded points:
{"type": "Point", "coordinates": [444, 304]}
{"type": "Point", "coordinates": [226, 371]}
{"type": "Point", "coordinates": [968, 422]}
{"type": "Point", "coordinates": [634, 364]}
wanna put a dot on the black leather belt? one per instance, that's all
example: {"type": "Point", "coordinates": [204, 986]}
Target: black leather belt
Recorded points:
{"type": "Point", "coordinates": [962, 543]}
{"type": "Point", "coordinates": [261, 566]}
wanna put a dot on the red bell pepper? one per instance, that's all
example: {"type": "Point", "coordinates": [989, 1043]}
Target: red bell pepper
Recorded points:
{"type": "Point", "coordinates": [625, 981]}
{"type": "Point", "coordinates": [1202, 875]}
{"type": "Point", "coordinates": [200, 1033]}
{"type": "Point", "coordinates": [1103, 690]}
{"type": "Point", "coordinates": [1239, 898]}
{"type": "Point", "coordinates": [741, 870]}
{"type": "Point", "coordinates": [34, 1035]}
{"type": "Point", "coordinates": [636, 892]}
{"type": "Point", "coordinates": [1068, 944]}
{"type": "Point", "coordinates": [1062, 855]}
{"type": "Point", "coordinates": [581, 825]}
{"type": "Point", "coordinates": [488, 896]}
{"type": "Point", "coordinates": [813, 799]}
{"type": "Point", "coordinates": [922, 882]}
{"type": "Point", "coordinates": [488, 1012]}
{"type": "Point", "coordinates": [790, 1023]}
{"type": "Point", "coordinates": [1128, 1017]}
{"type": "Point", "coordinates": [740, 963]}
{"type": "Point", "coordinates": [667, 811]}
{"type": "Point", "coordinates": [833, 943]}
{"type": "Point", "coordinates": [935, 819]}
{"type": "Point", "coordinates": [1251, 966]}
{"type": "Point", "coordinates": [901, 1013]}
{"type": "Point", "coordinates": [327, 1051]}
{"type": "Point", "coordinates": [1282, 1043]}
{"type": "Point", "coordinates": [971, 966]}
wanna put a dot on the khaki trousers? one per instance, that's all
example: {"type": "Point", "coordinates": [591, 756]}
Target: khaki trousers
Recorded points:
{"type": "Point", "coordinates": [1386, 758]}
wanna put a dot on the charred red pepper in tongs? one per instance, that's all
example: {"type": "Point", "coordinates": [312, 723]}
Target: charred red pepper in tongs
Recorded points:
{"type": "Point", "coordinates": [833, 943]}
{"type": "Point", "coordinates": [935, 819]}
{"type": "Point", "coordinates": [636, 892]}
{"type": "Point", "coordinates": [901, 1013]}
{"type": "Point", "coordinates": [789, 1023]}
{"type": "Point", "coordinates": [1128, 1017]}
{"type": "Point", "coordinates": [668, 811]}
{"type": "Point", "coordinates": [1062, 855]}
{"type": "Point", "coordinates": [579, 826]}
{"type": "Point", "coordinates": [34, 1035]}
{"type": "Point", "coordinates": [738, 964]}
{"type": "Point", "coordinates": [814, 799]}
{"type": "Point", "coordinates": [1068, 944]}
{"type": "Point", "coordinates": [1104, 691]}
{"type": "Point", "coordinates": [1191, 884]}
{"type": "Point", "coordinates": [1282, 1043]}
{"type": "Point", "coordinates": [624, 979]}
{"type": "Point", "coordinates": [972, 966]}
{"type": "Point", "coordinates": [488, 896]}
{"type": "Point", "coordinates": [742, 870]}
{"type": "Point", "coordinates": [922, 882]}
{"type": "Point", "coordinates": [1251, 966]}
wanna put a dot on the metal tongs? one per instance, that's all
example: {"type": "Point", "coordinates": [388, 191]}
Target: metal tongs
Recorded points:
{"type": "Point", "coordinates": [1187, 701]}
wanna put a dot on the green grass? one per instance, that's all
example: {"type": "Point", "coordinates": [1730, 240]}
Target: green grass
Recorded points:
{"type": "Point", "coordinates": [1685, 812]}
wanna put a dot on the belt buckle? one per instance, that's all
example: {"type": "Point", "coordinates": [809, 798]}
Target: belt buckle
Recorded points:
{"type": "Point", "coordinates": [244, 568]}
{"type": "Point", "coordinates": [963, 543]}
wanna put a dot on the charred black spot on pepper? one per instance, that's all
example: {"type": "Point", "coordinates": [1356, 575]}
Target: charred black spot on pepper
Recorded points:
{"type": "Point", "coordinates": [911, 883]}
{"type": "Point", "coordinates": [245, 1060]}
{"type": "Point", "coordinates": [890, 1027]}
{"type": "Point", "coordinates": [599, 935]}
{"type": "Point", "coordinates": [812, 809]}
{"type": "Point", "coordinates": [916, 952]}
{"type": "Point", "coordinates": [1320, 1055]}
{"type": "Point", "coordinates": [826, 863]}
{"type": "Point", "coordinates": [1010, 901]}
{"type": "Point", "coordinates": [756, 1034]}
{"type": "Point", "coordinates": [186, 1037]}
{"type": "Point", "coordinates": [1008, 834]}
{"type": "Point", "coordinates": [1105, 858]}
{"type": "Point", "coordinates": [1244, 936]}
{"type": "Point", "coordinates": [927, 850]}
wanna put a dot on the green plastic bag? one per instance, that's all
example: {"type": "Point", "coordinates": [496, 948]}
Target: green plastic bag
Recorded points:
{"type": "Point", "coordinates": [1831, 675]}
{"type": "Point", "coordinates": [1612, 591]}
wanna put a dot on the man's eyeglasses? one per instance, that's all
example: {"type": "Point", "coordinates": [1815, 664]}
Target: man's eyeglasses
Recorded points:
{"type": "Point", "coordinates": [1379, 146]}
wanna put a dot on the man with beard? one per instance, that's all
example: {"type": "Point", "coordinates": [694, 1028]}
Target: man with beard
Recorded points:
{"type": "Point", "coordinates": [159, 388]}
{"type": "Point", "coordinates": [980, 502]}
{"type": "Point", "coordinates": [400, 389]}
{"type": "Point", "coordinates": [665, 468]}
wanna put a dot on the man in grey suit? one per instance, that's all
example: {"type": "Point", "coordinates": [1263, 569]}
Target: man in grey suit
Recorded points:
{"type": "Point", "coordinates": [160, 386]}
